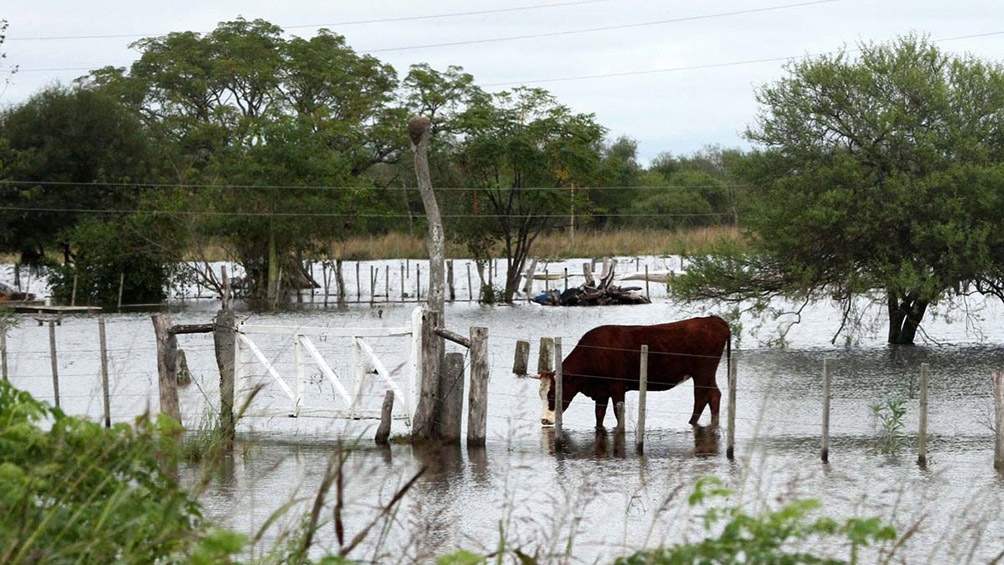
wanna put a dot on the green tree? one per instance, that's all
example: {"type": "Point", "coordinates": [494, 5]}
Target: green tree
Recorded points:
{"type": "Point", "coordinates": [70, 154]}
{"type": "Point", "coordinates": [615, 191]}
{"type": "Point", "coordinates": [880, 172]}
{"type": "Point", "coordinates": [524, 155]}
{"type": "Point", "coordinates": [263, 132]}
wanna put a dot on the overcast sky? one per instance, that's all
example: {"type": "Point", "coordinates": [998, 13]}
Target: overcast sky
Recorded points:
{"type": "Point", "coordinates": [674, 75]}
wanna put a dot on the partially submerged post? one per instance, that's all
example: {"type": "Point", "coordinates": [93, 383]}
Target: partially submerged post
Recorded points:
{"type": "Point", "coordinates": [730, 448]}
{"type": "Point", "coordinates": [386, 411]}
{"type": "Point", "coordinates": [545, 356]}
{"type": "Point", "coordinates": [167, 349]}
{"type": "Point", "coordinates": [423, 426]}
{"type": "Point", "coordinates": [477, 409]}
{"type": "Point", "coordinates": [225, 343]}
{"type": "Point", "coordinates": [52, 357]}
{"type": "Point", "coordinates": [824, 450]}
{"type": "Point", "coordinates": [451, 389]}
{"type": "Point", "coordinates": [999, 420]}
{"type": "Point", "coordinates": [521, 358]}
{"type": "Point", "coordinates": [558, 405]}
{"type": "Point", "coordinates": [642, 399]}
{"type": "Point", "coordinates": [922, 432]}
{"type": "Point", "coordinates": [104, 372]}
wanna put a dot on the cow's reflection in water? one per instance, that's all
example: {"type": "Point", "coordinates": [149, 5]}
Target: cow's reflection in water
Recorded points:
{"type": "Point", "coordinates": [706, 440]}
{"type": "Point", "coordinates": [603, 443]}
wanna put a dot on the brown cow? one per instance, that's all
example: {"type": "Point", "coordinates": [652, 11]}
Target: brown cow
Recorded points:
{"type": "Point", "coordinates": [605, 364]}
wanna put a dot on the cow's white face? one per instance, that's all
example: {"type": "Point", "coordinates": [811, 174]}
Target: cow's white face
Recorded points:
{"type": "Point", "coordinates": [546, 414]}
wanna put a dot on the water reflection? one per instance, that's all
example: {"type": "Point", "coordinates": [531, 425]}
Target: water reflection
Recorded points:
{"type": "Point", "coordinates": [604, 444]}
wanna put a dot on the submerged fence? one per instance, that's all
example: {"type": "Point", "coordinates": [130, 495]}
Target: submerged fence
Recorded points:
{"type": "Point", "coordinates": [105, 368]}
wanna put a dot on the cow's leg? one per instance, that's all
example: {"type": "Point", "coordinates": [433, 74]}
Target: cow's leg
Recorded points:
{"type": "Point", "coordinates": [618, 398]}
{"type": "Point", "coordinates": [715, 401]}
{"type": "Point", "coordinates": [701, 397]}
{"type": "Point", "coordinates": [601, 412]}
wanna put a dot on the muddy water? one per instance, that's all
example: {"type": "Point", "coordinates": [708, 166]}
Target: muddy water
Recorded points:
{"type": "Point", "coordinates": [598, 496]}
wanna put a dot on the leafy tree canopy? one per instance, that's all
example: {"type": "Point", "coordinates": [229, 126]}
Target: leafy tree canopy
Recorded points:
{"type": "Point", "coordinates": [877, 172]}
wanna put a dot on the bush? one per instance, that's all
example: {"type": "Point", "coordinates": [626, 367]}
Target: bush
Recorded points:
{"type": "Point", "coordinates": [81, 493]}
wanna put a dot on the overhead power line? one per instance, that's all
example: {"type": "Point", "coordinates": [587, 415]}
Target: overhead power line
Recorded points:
{"type": "Point", "coordinates": [332, 24]}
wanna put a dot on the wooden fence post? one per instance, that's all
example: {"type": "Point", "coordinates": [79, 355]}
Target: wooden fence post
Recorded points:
{"type": "Point", "coordinates": [167, 349]}
{"type": "Point", "coordinates": [558, 405]}
{"type": "Point", "coordinates": [477, 410]}
{"type": "Point", "coordinates": [449, 280]}
{"type": "Point", "coordinates": [104, 372]}
{"type": "Point", "coordinates": [730, 448]}
{"type": "Point", "coordinates": [225, 343]}
{"type": "Point", "coordinates": [521, 358]}
{"type": "Point", "coordinates": [121, 287]}
{"type": "Point", "coordinates": [451, 393]}
{"type": "Point", "coordinates": [922, 433]}
{"type": "Point", "coordinates": [52, 357]}
{"type": "Point", "coordinates": [545, 357]}
{"type": "Point", "coordinates": [386, 411]}
{"type": "Point", "coordinates": [528, 285]}
{"type": "Point", "coordinates": [642, 399]}
{"type": "Point", "coordinates": [470, 286]}
{"type": "Point", "coordinates": [824, 450]}
{"type": "Point", "coordinates": [3, 350]}
{"type": "Point", "coordinates": [999, 419]}
{"type": "Point", "coordinates": [423, 426]}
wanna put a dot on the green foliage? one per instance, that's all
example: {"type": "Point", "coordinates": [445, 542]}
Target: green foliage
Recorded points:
{"type": "Point", "coordinates": [110, 253]}
{"type": "Point", "coordinates": [771, 537]}
{"type": "Point", "coordinates": [889, 416]}
{"type": "Point", "coordinates": [875, 173]}
{"type": "Point", "coordinates": [72, 491]}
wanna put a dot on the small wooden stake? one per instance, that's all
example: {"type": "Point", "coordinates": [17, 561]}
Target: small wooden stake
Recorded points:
{"type": "Point", "coordinates": [825, 446]}
{"type": "Point", "coordinates": [999, 420]}
{"type": "Point", "coordinates": [922, 433]}
{"type": "Point", "coordinates": [730, 449]}
{"type": "Point", "coordinates": [104, 372]}
{"type": "Point", "coordinates": [642, 399]}
{"type": "Point", "coordinates": [558, 405]}
{"type": "Point", "coordinates": [383, 430]}
{"type": "Point", "coordinates": [52, 356]}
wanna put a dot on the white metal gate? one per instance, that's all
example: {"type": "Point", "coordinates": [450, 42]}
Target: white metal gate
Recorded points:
{"type": "Point", "coordinates": [403, 381]}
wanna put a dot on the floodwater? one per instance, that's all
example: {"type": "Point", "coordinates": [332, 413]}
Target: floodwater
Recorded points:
{"type": "Point", "coordinates": [597, 497]}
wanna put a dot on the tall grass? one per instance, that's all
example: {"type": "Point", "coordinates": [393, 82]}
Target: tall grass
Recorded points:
{"type": "Point", "coordinates": [552, 246]}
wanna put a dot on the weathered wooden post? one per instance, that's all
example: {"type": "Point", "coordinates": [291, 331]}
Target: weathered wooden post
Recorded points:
{"type": "Point", "coordinates": [167, 349]}
{"type": "Point", "coordinates": [470, 286]}
{"type": "Point", "coordinates": [545, 357]}
{"type": "Point", "coordinates": [52, 357]}
{"type": "Point", "coordinates": [386, 411]}
{"type": "Point", "coordinates": [730, 447]}
{"type": "Point", "coordinates": [423, 425]}
{"type": "Point", "coordinates": [121, 287]}
{"type": "Point", "coordinates": [451, 391]}
{"type": "Point", "coordinates": [922, 433]}
{"type": "Point", "coordinates": [642, 399]}
{"type": "Point", "coordinates": [477, 408]}
{"type": "Point", "coordinates": [372, 286]}
{"type": "Point", "coordinates": [225, 344]}
{"type": "Point", "coordinates": [999, 419]}
{"type": "Point", "coordinates": [3, 350]}
{"type": "Point", "coordinates": [528, 285]}
{"type": "Point", "coordinates": [73, 293]}
{"type": "Point", "coordinates": [824, 450]}
{"type": "Point", "coordinates": [359, 288]}
{"type": "Point", "coordinates": [449, 280]}
{"type": "Point", "coordinates": [647, 291]}
{"type": "Point", "coordinates": [521, 358]}
{"type": "Point", "coordinates": [104, 372]}
{"type": "Point", "coordinates": [558, 404]}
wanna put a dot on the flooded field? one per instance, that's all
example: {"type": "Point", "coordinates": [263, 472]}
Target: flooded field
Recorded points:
{"type": "Point", "coordinates": [597, 498]}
